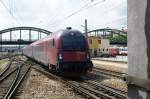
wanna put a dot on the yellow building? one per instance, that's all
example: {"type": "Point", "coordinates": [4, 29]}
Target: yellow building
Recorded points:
{"type": "Point", "coordinates": [93, 45]}
{"type": "Point", "coordinates": [93, 42]}
{"type": "Point", "coordinates": [98, 46]}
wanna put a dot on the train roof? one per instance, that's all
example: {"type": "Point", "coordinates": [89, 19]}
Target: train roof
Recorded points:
{"type": "Point", "coordinates": [57, 33]}
{"type": "Point", "coordinates": [66, 31]}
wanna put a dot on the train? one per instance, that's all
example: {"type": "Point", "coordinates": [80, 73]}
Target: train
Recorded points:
{"type": "Point", "coordinates": [123, 51]}
{"type": "Point", "coordinates": [114, 51]}
{"type": "Point", "coordinates": [65, 52]}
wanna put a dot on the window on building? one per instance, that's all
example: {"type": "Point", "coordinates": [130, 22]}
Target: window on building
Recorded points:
{"type": "Point", "coordinates": [99, 41]}
{"type": "Point", "coordinates": [90, 41]}
{"type": "Point", "coordinates": [103, 49]}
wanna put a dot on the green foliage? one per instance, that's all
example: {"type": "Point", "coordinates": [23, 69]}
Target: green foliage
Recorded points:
{"type": "Point", "coordinates": [2, 62]}
{"type": "Point", "coordinates": [119, 39]}
{"type": "Point", "coordinates": [63, 97]}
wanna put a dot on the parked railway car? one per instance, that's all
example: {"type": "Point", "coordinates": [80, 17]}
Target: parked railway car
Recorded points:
{"type": "Point", "coordinates": [113, 51]}
{"type": "Point", "coordinates": [123, 51]}
{"type": "Point", "coordinates": [65, 52]}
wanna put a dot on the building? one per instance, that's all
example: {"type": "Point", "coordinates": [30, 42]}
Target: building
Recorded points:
{"type": "Point", "coordinates": [104, 45]}
{"type": "Point", "coordinates": [98, 46]}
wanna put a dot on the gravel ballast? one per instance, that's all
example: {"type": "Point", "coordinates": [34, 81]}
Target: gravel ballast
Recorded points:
{"type": "Point", "coordinates": [39, 86]}
{"type": "Point", "coordinates": [115, 83]}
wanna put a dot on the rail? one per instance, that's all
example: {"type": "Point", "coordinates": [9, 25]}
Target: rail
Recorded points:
{"type": "Point", "coordinates": [109, 73]}
{"type": "Point", "coordinates": [87, 90]}
{"type": "Point", "coordinates": [13, 77]}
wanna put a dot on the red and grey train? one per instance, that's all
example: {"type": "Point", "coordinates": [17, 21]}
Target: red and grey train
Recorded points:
{"type": "Point", "coordinates": [65, 51]}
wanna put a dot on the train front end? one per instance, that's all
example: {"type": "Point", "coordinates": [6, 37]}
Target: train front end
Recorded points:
{"type": "Point", "coordinates": [73, 56]}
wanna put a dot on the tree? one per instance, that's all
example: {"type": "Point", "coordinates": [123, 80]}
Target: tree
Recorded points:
{"type": "Point", "coordinates": [120, 39]}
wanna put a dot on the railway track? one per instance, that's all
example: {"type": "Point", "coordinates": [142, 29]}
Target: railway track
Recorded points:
{"type": "Point", "coordinates": [6, 68]}
{"type": "Point", "coordinates": [5, 56]}
{"type": "Point", "coordinates": [8, 56]}
{"type": "Point", "coordinates": [90, 89]}
{"type": "Point", "coordinates": [114, 93]}
{"type": "Point", "coordinates": [11, 78]}
{"type": "Point", "coordinates": [109, 73]}
{"type": "Point", "coordinates": [9, 67]}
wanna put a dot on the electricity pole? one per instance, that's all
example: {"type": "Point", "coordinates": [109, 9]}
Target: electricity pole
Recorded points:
{"type": "Point", "coordinates": [86, 34]}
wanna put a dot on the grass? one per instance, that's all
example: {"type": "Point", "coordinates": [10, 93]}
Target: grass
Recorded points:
{"type": "Point", "coordinates": [63, 97]}
{"type": "Point", "coordinates": [2, 62]}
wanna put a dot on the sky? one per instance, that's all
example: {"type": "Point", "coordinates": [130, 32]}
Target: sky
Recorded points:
{"type": "Point", "coordinates": [59, 14]}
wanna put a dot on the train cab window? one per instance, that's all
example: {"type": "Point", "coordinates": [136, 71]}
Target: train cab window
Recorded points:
{"type": "Point", "coordinates": [73, 43]}
{"type": "Point", "coordinates": [53, 43]}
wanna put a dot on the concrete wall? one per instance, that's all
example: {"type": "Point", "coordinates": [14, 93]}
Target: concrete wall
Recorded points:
{"type": "Point", "coordinates": [138, 45]}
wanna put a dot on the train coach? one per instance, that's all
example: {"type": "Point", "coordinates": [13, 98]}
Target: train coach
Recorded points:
{"type": "Point", "coordinates": [113, 51]}
{"type": "Point", "coordinates": [65, 52]}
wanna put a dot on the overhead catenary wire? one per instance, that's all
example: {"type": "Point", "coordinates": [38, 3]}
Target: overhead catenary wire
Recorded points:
{"type": "Point", "coordinates": [113, 21]}
{"type": "Point", "coordinates": [86, 6]}
{"type": "Point", "coordinates": [15, 9]}
{"type": "Point", "coordinates": [9, 11]}
{"type": "Point", "coordinates": [54, 22]}
{"type": "Point", "coordinates": [50, 20]}
{"type": "Point", "coordinates": [79, 10]}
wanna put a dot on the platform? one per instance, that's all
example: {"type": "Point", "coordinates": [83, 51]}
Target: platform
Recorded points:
{"type": "Point", "coordinates": [114, 66]}
{"type": "Point", "coordinates": [122, 59]}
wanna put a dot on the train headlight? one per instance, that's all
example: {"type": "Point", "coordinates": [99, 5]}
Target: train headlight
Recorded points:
{"type": "Point", "coordinates": [60, 57]}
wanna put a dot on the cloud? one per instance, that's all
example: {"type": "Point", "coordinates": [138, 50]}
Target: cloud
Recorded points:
{"type": "Point", "coordinates": [51, 14]}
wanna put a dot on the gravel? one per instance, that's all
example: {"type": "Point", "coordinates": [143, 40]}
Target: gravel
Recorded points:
{"type": "Point", "coordinates": [38, 86]}
{"type": "Point", "coordinates": [115, 83]}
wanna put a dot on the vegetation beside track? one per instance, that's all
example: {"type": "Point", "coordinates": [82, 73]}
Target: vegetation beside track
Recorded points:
{"type": "Point", "coordinates": [2, 63]}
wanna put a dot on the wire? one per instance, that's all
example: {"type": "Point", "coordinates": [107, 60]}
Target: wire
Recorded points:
{"type": "Point", "coordinates": [9, 11]}
{"type": "Point", "coordinates": [73, 13]}
{"type": "Point", "coordinates": [5, 6]}
{"type": "Point", "coordinates": [86, 6]}
{"type": "Point", "coordinates": [15, 9]}
{"type": "Point", "coordinates": [54, 23]}
{"type": "Point", "coordinates": [113, 21]}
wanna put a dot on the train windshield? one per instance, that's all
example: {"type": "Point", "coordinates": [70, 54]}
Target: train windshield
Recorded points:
{"type": "Point", "coordinates": [73, 43]}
